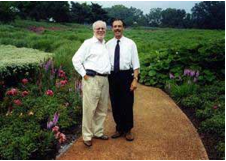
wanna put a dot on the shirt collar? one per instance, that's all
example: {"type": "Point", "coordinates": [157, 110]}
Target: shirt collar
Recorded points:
{"type": "Point", "coordinates": [121, 39]}
{"type": "Point", "coordinates": [95, 40]}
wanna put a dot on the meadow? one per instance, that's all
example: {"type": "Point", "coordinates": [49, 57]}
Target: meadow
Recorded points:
{"type": "Point", "coordinates": [188, 64]}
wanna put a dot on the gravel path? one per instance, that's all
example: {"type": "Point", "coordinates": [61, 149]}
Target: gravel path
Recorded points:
{"type": "Point", "coordinates": [162, 131]}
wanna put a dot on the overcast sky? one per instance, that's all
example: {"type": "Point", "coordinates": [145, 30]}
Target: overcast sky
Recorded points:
{"type": "Point", "coordinates": [145, 6]}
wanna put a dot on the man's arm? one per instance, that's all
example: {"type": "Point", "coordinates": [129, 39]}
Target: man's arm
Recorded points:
{"type": "Point", "coordinates": [135, 80]}
{"type": "Point", "coordinates": [136, 67]}
{"type": "Point", "coordinates": [78, 59]}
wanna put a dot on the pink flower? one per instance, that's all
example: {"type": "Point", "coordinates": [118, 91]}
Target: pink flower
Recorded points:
{"type": "Point", "coordinates": [49, 92]}
{"type": "Point", "coordinates": [24, 81]}
{"type": "Point", "coordinates": [12, 92]}
{"type": "Point", "coordinates": [17, 102]}
{"type": "Point", "coordinates": [62, 138]}
{"type": "Point", "coordinates": [215, 107]}
{"type": "Point", "coordinates": [25, 93]}
{"type": "Point", "coordinates": [63, 82]}
{"type": "Point", "coordinates": [61, 74]}
{"type": "Point", "coordinates": [55, 129]}
{"type": "Point", "coordinates": [57, 135]}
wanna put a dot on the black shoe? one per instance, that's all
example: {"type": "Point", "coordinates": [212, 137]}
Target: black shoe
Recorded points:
{"type": "Point", "coordinates": [88, 143]}
{"type": "Point", "coordinates": [117, 134]}
{"type": "Point", "coordinates": [129, 136]}
{"type": "Point", "coordinates": [103, 137]}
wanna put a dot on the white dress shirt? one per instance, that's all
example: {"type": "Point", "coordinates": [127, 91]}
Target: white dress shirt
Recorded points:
{"type": "Point", "coordinates": [92, 55]}
{"type": "Point", "coordinates": [128, 53]}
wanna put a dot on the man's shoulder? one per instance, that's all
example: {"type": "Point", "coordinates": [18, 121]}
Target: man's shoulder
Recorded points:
{"type": "Point", "coordinates": [129, 40]}
{"type": "Point", "coordinates": [110, 41]}
{"type": "Point", "coordinates": [88, 40]}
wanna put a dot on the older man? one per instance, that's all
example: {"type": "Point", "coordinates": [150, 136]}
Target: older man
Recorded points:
{"type": "Point", "coordinates": [123, 79]}
{"type": "Point", "coordinates": [92, 62]}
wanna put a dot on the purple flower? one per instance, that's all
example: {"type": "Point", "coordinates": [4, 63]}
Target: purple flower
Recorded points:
{"type": "Point", "coordinates": [186, 72]}
{"type": "Point", "coordinates": [197, 73]}
{"type": "Point", "coordinates": [192, 73]}
{"type": "Point", "coordinates": [47, 65]}
{"type": "Point", "coordinates": [171, 76]}
{"type": "Point", "coordinates": [50, 125]}
{"type": "Point", "coordinates": [55, 118]}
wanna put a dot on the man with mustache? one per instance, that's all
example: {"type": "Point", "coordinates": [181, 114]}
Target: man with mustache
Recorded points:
{"type": "Point", "coordinates": [122, 80]}
{"type": "Point", "coordinates": [92, 62]}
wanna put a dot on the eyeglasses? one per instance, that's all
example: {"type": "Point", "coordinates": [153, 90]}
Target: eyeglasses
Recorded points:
{"type": "Point", "coordinates": [100, 28]}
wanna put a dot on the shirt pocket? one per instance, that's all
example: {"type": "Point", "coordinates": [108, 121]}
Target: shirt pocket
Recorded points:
{"type": "Point", "coordinates": [95, 51]}
{"type": "Point", "coordinates": [125, 56]}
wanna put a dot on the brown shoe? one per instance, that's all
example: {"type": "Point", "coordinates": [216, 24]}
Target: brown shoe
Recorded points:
{"type": "Point", "coordinates": [103, 137]}
{"type": "Point", "coordinates": [117, 134]}
{"type": "Point", "coordinates": [129, 136]}
{"type": "Point", "coordinates": [88, 143]}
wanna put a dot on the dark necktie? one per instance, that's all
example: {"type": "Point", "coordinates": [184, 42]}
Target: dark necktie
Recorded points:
{"type": "Point", "coordinates": [117, 58]}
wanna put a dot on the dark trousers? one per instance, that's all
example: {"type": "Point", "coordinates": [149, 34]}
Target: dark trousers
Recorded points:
{"type": "Point", "coordinates": [122, 99]}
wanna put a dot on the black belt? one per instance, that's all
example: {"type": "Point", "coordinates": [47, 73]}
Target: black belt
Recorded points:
{"type": "Point", "coordinates": [122, 71]}
{"type": "Point", "coordinates": [93, 73]}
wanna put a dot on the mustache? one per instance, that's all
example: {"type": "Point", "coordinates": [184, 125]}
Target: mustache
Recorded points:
{"type": "Point", "coordinates": [117, 30]}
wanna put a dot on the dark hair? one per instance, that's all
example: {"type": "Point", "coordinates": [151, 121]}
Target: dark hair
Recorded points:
{"type": "Point", "coordinates": [118, 20]}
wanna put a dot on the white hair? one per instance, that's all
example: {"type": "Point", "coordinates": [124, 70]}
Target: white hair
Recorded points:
{"type": "Point", "coordinates": [99, 21]}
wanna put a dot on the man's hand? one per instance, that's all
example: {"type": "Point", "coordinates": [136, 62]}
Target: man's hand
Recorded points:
{"type": "Point", "coordinates": [133, 86]}
{"type": "Point", "coordinates": [86, 77]}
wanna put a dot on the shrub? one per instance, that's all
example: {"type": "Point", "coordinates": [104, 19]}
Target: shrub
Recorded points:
{"type": "Point", "coordinates": [15, 61]}
{"type": "Point", "coordinates": [192, 101]}
{"type": "Point", "coordinates": [23, 138]}
{"type": "Point", "coordinates": [182, 91]}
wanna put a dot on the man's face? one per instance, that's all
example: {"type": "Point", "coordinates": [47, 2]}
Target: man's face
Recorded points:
{"type": "Point", "coordinates": [117, 28]}
{"type": "Point", "coordinates": [100, 31]}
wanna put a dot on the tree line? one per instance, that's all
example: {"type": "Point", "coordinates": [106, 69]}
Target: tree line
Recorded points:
{"type": "Point", "coordinates": [204, 15]}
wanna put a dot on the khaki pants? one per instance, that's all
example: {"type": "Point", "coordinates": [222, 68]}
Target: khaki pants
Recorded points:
{"type": "Point", "coordinates": [95, 105]}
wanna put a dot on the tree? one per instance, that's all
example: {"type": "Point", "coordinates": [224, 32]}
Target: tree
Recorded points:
{"type": "Point", "coordinates": [43, 10]}
{"type": "Point", "coordinates": [130, 16]}
{"type": "Point", "coordinates": [59, 11]}
{"type": "Point", "coordinates": [188, 21]}
{"type": "Point", "coordinates": [138, 16]}
{"type": "Point", "coordinates": [120, 12]}
{"type": "Point", "coordinates": [80, 13]}
{"type": "Point", "coordinates": [209, 15]}
{"type": "Point", "coordinates": [7, 12]}
{"type": "Point", "coordinates": [33, 10]}
{"type": "Point", "coordinates": [98, 13]}
{"type": "Point", "coordinates": [154, 17]}
{"type": "Point", "coordinates": [173, 18]}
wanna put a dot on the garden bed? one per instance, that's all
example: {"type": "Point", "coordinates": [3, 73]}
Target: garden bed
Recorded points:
{"type": "Point", "coordinates": [41, 115]}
